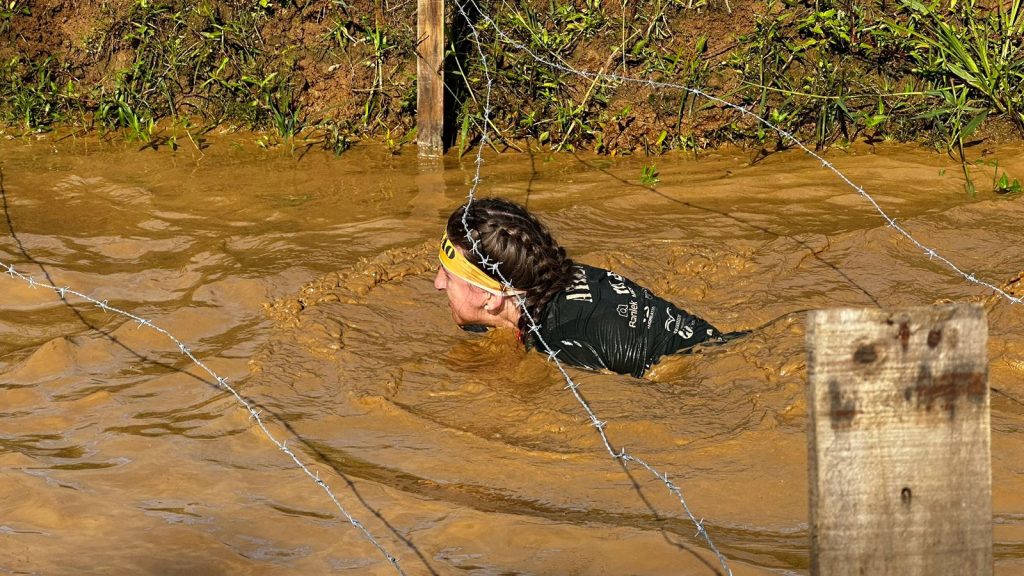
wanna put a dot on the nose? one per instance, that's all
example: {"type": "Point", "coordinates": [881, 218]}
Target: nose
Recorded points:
{"type": "Point", "coordinates": [440, 282]}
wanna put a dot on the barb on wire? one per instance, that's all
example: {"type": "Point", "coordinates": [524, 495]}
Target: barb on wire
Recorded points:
{"type": "Point", "coordinates": [534, 327]}
{"type": "Point", "coordinates": [254, 413]}
{"type": "Point", "coordinates": [559, 63]}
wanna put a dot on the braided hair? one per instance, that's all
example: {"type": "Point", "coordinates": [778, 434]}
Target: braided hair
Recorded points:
{"type": "Point", "coordinates": [527, 255]}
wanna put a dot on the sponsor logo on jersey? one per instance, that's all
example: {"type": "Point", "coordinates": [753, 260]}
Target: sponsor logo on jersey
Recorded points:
{"type": "Point", "coordinates": [628, 311]}
{"type": "Point", "coordinates": [579, 290]}
{"type": "Point", "coordinates": [619, 286]}
{"type": "Point", "coordinates": [675, 324]}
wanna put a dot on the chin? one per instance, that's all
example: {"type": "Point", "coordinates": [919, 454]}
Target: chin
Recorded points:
{"type": "Point", "coordinates": [457, 318]}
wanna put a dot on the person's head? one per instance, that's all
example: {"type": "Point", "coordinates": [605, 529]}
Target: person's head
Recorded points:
{"type": "Point", "coordinates": [523, 262]}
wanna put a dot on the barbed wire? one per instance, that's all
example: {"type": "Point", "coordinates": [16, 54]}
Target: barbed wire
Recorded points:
{"type": "Point", "coordinates": [600, 425]}
{"type": "Point", "coordinates": [493, 267]}
{"type": "Point", "coordinates": [564, 66]}
{"type": "Point", "coordinates": [254, 413]}
{"type": "Point", "coordinates": [622, 455]}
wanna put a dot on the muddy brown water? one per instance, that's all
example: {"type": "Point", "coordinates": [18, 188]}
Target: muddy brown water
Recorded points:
{"type": "Point", "coordinates": [306, 280]}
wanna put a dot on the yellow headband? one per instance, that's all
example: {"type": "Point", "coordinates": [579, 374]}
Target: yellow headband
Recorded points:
{"type": "Point", "coordinates": [457, 264]}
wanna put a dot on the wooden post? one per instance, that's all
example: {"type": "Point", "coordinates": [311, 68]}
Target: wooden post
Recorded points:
{"type": "Point", "coordinates": [899, 463]}
{"type": "Point", "coordinates": [430, 76]}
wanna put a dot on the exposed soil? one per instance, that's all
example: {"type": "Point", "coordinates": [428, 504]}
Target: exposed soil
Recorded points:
{"type": "Point", "coordinates": [347, 70]}
{"type": "Point", "coordinates": [322, 51]}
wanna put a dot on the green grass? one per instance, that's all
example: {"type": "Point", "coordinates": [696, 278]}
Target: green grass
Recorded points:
{"type": "Point", "coordinates": [826, 71]}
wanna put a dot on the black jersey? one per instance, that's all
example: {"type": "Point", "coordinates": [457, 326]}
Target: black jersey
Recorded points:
{"type": "Point", "coordinates": [605, 321]}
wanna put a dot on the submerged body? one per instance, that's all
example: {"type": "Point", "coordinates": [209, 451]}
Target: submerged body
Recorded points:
{"type": "Point", "coordinates": [588, 317]}
{"type": "Point", "coordinates": [605, 321]}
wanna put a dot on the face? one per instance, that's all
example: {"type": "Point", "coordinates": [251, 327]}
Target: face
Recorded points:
{"type": "Point", "coordinates": [466, 301]}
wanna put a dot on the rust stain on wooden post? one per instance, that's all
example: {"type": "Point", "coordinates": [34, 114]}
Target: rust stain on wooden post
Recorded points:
{"type": "Point", "coordinates": [899, 442]}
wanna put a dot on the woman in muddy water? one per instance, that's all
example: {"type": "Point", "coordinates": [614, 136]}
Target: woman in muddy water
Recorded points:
{"type": "Point", "coordinates": [588, 317]}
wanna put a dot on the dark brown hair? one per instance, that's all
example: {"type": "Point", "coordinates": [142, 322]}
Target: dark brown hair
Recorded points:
{"type": "Point", "coordinates": [527, 256]}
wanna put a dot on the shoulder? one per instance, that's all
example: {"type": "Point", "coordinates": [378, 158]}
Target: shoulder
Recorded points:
{"type": "Point", "coordinates": [581, 289]}
{"type": "Point", "coordinates": [594, 294]}
{"type": "Point", "coordinates": [590, 285]}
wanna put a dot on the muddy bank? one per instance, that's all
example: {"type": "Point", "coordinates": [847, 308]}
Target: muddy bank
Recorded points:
{"type": "Point", "coordinates": [633, 78]}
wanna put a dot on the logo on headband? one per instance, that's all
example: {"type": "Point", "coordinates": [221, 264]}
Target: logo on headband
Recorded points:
{"type": "Point", "coordinates": [457, 264]}
{"type": "Point", "coordinates": [446, 245]}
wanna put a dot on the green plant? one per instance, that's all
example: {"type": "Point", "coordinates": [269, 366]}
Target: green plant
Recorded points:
{"type": "Point", "coordinates": [377, 38]}
{"type": "Point", "coordinates": [464, 141]}
{"type": "Point", "coordinates": [339, 33]}
{"type": "Point", "coordinates": [337, 138]}
{"type": "Point", "coordinates": [649, 175]}
{"type": "Point", "coordinates": [1002, 183]}
{"type": "Point", "coordinates": [974, 48]}
{"type": "Point", "coordinates": [33, 95]}
{"type": "Point", "coordinates": [9, 9]}
{"type": "Point", "coordinates": [284, 113]}
{"type": "Point", "coordinates": [116, 112]}
{"type": "Point", "coordinates": [393, 143]}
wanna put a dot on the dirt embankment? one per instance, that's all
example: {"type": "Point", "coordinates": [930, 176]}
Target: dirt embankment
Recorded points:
{"type": "Point", "coordinates": [341, 71]}
{"type": "Point", "coordinates": [349, 68]}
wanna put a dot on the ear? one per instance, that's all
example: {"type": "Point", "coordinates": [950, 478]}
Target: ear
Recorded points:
{"type": "Point", "coordinates": [494, 302]}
